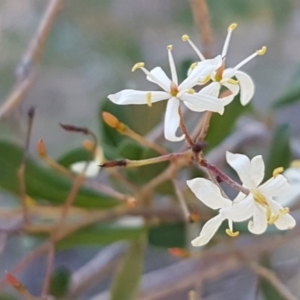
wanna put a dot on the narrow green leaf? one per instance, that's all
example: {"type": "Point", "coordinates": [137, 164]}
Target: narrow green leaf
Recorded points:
{"type": "Point", "coordinates": [221, 126]}
{"type": "Point", "coordinates": [44, 183]}
{"type": "Point", "coordinates": [168, 235]}
{"type": "Point", "coordinates": [60, 281]}
{"type": "Point", "coordinates": [101, 234]}
{"type": "Point", "coordinates": [280, 151]}
{"type": "Point", "coordinates": [127, 280]}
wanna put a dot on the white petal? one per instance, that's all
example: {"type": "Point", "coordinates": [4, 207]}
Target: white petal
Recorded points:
{"type": "Point", "coordinates": [172, 121]}
{"type": "Point", "coordinates": [160, 74]}
{"type": "Point", "coordinates": [242, 165]}
{"type": "Point", "coordinates": [240, 196]}
{"type": "Point", "coordinates": [274, 206]}
{"type": "Point", "coordinates": [274, 187]}
{"type": "Point", "coordinates": [208, 193]}
{"type": "Point", "coordinates": [202, 102]}
{"type": "Point", "coordinates": [172, 67]}
{"type": "Point", "coordinates": [240, 211]}
{"type": "Point", "coordinates": [137, 97]}
{"type": "Point", "coordinates": [285, 221]}
{"type": "Point", "coordinates": [257, 169]}
{"type": "Point", "coordinates": [213, 89]}
{"type": "Point", "coordinates": [203, 69]}
{"type": "Point", "coordinates": [292, 175]}
{"type": "Point", "coordinates": [92, 170]}
{"type": "Point", "coordinates": [208, 231]}
{"type": "Point", "coordinates": [291, 196]}
{"type": "Point", "coordinates": [233, 88]}
{"type": "Point", "coordinates": [259, 223]}
{"type": "Point", "coordinates": [228, 73]}
{"type": "Point", "coordinates": [246, 85]}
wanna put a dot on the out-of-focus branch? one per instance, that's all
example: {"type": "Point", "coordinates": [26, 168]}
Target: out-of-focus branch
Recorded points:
{"type": "Point", "coordinates": [26, 70]}
{"type": "Point", "coordinates": [272, 279]}
{"type": "Point", "coordinates": [202, 22]}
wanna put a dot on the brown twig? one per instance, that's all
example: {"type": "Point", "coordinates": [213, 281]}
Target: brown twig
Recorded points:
{"type": "Point", "coordinates": [49, 270]}
{"type": "Point", "coordinates": [21, 171]}
{"type": "Point", "coordinates": [271, 277]}
{"type": "Point", "coordinates": [25, 72]}
{"type": "Point", "coordinates": [202, 22]}
{"type": "Point", "coordinates": [181, 200]}
{"type": "Point", "coordinates": [184, 129]}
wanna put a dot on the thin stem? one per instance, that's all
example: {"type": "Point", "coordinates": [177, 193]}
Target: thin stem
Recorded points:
{"type": "Point", "coordinates": [224, 177]}
{"type": "Point", "coordinates": [182, 202]}
{"type": "Point", "coordinates": [184, 129]}
{"type": "Point", "coordinates": [21, 171]}
{"type": "Point", "coordinates": [49, 270]}
{"type": "Point", "coordinates": [204, 126]}
{"type": "Point", "coordinates": [202, 22]}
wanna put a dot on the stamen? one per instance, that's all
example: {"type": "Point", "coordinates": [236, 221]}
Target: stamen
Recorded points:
{"type": "Point", "coordinates": [295, 163]}
{"type": "Point", "coordinates": [284, 210]}
{"type": "Point", "coordinates": [173, 89]}
{"type": "Point", "coordinates": [172, 65]}
{"type": "Point", "coordinates": [138, 65]}
{"type": "Point", "coordinates": [277, 171]}
{"type": "Point", "coordinates": [227, 40]}
{"type": "Point", "coordinates": [259, 198]}
{"type": "Point", "coordinates": [273, 219]}
{"type": "Point", "coordinates": [231, 233]}
{"type": "Point", "coordinates": [219, 73]}
{"type": "Point", "coordinates": [191, 91]}
{"type": "Point", "coordinates": [186, 38]}
{"type": "Point", "coordinates": [232, 81]}
{"type": "Point", "coordinates": [262, 51]}
{"type": "Point", "coordinates": [193, 66]}
{"type": "Point", "coordinates": [204, 80]}
{"type": "Point", "coordinates": [149, 99]}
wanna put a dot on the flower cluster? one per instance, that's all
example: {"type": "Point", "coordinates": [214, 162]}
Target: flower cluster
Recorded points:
{"type": "Point", "coordinates": [255, 202]}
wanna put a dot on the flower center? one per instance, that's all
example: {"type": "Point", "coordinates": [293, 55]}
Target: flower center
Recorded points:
{"type": "Point", "coordinates": [259, 198]}
{"type": "Point", "coordinates": [173, 89]}
{"type": "Point", "coordinates": [219, 73]}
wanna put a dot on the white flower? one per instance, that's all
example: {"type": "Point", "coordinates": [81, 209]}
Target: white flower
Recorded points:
{"type": "Point", "coordinates": [223, 77]}
{"type": "Point", "coordinates": [93, 167]}
{"type": "Point", "coordinates": [174, 93]}
{"type": "Point", "coordinates": [210, 195]}
{"type": "Point", "coordinates": [292, 175]}
{"type": "Point", "coordinates": [259, 204]}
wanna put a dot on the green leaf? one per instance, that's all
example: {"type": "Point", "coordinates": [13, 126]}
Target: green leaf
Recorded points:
{"type": "Point", "coordinates": [101, 234]}
{"type": "Point", "coordinates": [221, 126]}
{"type": "Point", "coordinates": [60, 281]}
{"type": "Point", "coordinates": [4, 296]}
{"type": "Point", "coordinates": [127, 280]}
{"type": "Point", "coordinates": [168, 235]}
{"type": "Point", "coordinates": [292, 94]}
{"type": "Point", "coordinates": [44, 183]}
{"type": "Point", "coordinates": [280, 151]}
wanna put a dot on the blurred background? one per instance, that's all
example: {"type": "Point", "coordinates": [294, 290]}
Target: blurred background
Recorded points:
{"type": "Point", "coordinates": [89, 54]}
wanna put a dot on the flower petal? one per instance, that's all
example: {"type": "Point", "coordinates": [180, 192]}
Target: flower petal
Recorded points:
{"type": "Point", "coordinates": [202, 102]}
{"type": "Point", "coordinates": [208, 193]}
{"type": "Point", "coordinates": [92, 170]}
{"type": "Point", "coordinates": [208, 231]}
{"type": "Point", "coordinates": [285, 221]}
{"type": "Point", "coordinates": [213, 89]}
{"type": "Point", "coordinates": [259, 223]}
{"type": "Point", "coordinates": [160, 74]}
{"type": "Point", "coordinates": [247, 86]}
{"type": "Point", "coordinates": [240, 211]}
{"type": "Point", "coordinates": [274, 186]}
{"type": "Point", "coordinates": [203, 69]}
{"type": "Point", "coordinates": [242, 165]}
{"type": "Point", "coordinates": [172, 121]}
{"type": "Point", "coordinates": [137, 97]}
{"type": "Point", "coordinates": [257, 169]}
{"type": "Point", "coordinates": [233, 88]}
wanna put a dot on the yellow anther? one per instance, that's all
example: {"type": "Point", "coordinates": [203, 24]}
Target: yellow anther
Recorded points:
{"type": "Point", "coordinates": [170, 47]}
{"type": "Point", "coordinates": [259, 198]}
{"type": "Point", "coordinates": [193, 66]}
{"type": "Point", "coordinates": [262, 51]}
{"type": "Point", "coordinates": [149, 99]}
{"type": "Point", "coordinates": [137, 66]}
{"type": "Point", "coordinates": [284, 211]}
{"type": "Point", "coordinates": [206, 79]}
{"type": "Point", "coordinates": [185, 37]}
{"type": "Point", "coordinates": [88, 145]}
{"type": "Point", "coordinates": [295, 163]}
{"type": "Point", "coordinates": [277, 171]}
{"type": "Point", "coordinates": [191, 91]}
{"type": "Point", "coordinates": [231, 233]}
{"type": "Point", "coordinates": [233, 81]}
{"type": "Point", "coordinates": [232, 26]}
